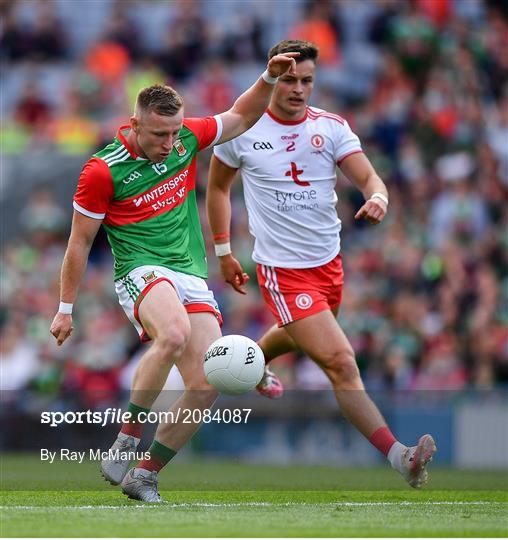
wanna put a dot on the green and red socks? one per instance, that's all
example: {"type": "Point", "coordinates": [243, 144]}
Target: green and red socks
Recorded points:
{"type": "Point", "coordinates": [160, 455]}
{"type": "Point", "coordinates": [134, 427]}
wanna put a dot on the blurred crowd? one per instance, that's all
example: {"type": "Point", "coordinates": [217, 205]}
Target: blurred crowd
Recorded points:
{"type": "Point", "coordinates": [424, 83]}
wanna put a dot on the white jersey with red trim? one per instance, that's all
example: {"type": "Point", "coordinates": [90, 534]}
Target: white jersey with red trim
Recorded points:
{"type": "Point", "coordinates": [289, 177]}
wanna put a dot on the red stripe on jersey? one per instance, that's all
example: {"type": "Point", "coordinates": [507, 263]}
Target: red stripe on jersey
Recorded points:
{"type": "Point", "coordinates": [329, 117]}
{"type": "Point", "coordinates": [328, 113]}
{"type": "Point", "coordinates": [286, 122]}
{"type": "Point", "coordinates": [123, 140]}
{"type": "Point", "coordinates": [341, 160]}
{"type": "Point", "coordinates": [315, 116]}
{"type": "Point", "coordinates": [191, 180]}
{"type": "Point", "coordinates": [157, 200]}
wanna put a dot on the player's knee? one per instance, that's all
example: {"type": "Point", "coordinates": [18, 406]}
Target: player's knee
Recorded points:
{"type": "Point", "coordinates": [196, 382]}
{"type": "Point", "coordinates": [172, 341]}
{"type": "Point", "coordinates": [341, 368]}
{"type": "Point", "coordinates": [203, 393]}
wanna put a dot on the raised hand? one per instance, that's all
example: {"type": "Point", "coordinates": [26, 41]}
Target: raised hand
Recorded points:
{"type": "Point", "coordinates": [282, 63]}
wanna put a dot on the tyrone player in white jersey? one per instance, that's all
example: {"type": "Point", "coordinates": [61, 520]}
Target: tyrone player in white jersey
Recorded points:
{"type": "Point", "coordinates": [288, 165]}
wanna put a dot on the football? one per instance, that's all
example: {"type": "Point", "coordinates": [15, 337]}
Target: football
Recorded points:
{"type": "Point", "coordinates": [234, 364]}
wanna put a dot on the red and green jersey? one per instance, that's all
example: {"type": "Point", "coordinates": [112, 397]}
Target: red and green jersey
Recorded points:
{"type": "Point", "coordinates": [149, 210]}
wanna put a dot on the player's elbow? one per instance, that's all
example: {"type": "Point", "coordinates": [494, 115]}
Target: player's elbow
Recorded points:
{"type": "Point", "coordinates": [79, 246]}
{"type": "Point", "coordinates": [250, 120]}
{"type": "Point", "coordinates": [244, 120]}
{"type": "Point", "coordinates": [217, 190]}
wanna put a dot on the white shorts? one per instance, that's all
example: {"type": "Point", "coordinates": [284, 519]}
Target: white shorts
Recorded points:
{"type": "Point", "coordinates": [192, 291]}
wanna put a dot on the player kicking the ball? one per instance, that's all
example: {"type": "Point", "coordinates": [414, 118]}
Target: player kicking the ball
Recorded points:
{"type": "Point", "coordinates": [141, 187]}
{"type": "Point", "coordinates": [288, 162]}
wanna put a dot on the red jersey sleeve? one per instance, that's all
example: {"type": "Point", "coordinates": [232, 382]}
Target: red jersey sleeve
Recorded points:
{"type": "Point", "coordinates": [207, 130]}
{"type": "Point", "coordinates": [95, 189]}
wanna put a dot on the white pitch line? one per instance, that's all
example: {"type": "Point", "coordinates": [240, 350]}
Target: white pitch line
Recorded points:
{"type": "Point", "coordinates": [253, 504]}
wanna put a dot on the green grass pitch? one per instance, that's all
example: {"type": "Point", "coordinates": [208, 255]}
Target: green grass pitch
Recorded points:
{"type": "Point", "coordinates": [207, 499]}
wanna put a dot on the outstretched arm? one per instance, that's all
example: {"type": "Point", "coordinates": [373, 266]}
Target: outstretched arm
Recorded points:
{"type": "Point", "coordinates": [359, 170]}
{"type": "Point", "coordinates": [251, 105]}
{"type": "Point", "coordinates": [83, 232]}
{"type": "Point", "coordinates": [218, 209]}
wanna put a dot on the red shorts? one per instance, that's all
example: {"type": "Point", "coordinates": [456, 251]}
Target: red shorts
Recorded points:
{"type": "Point", "coordinates": [295, 294]}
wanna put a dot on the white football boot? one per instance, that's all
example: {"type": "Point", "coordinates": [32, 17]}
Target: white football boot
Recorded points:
{"type": "Point", "coordinates": [141, 485]}
{"type": "Point", "coordinates": [414, 461]}
{"type": "Point", "coordinates": [115, 468]}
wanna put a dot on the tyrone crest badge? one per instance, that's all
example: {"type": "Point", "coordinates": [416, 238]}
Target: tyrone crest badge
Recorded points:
{"type": "Point", "coordinates": [317, 140]}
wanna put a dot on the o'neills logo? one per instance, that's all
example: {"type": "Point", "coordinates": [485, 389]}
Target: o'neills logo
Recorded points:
{"type": "Point", "coordinates": [179, 147]}
{"type": "Point", "coordinates": [291, 137]}
{"type": "Point", "coordinates": [216, 351]}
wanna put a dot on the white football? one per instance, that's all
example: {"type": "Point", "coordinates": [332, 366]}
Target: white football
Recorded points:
{"type": "Point", "coordinates": [234, 364]}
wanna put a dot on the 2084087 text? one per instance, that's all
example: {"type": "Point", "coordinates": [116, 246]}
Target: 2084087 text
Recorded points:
{"type": "Point", "coordinates": [207, 416]}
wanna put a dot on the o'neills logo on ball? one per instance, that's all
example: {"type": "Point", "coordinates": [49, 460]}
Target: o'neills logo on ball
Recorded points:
{"type": "Point", "coordinates": [179, 147]}
{"type": "Point", "coordinates": [216, 351]}
{"type": "Point", "coordinates": [303, 301]}
{"type": "Point", "coordinates": [317, 140]}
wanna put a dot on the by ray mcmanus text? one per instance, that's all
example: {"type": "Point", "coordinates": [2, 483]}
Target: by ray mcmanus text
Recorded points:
{"type": "Point", "coordinates": [93, 454]}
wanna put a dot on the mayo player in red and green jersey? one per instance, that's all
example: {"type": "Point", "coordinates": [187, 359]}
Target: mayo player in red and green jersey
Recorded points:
{"type": "Point", "coordinates": [141, 187]}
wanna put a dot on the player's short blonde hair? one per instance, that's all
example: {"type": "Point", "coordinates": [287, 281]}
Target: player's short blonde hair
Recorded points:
{"type": "Point", "coordinates": [159, 98]}
{"type": "Point", "coordinates": [307, 50]}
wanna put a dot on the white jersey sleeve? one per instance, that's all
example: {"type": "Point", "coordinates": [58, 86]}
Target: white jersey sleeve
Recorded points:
{"type": "Point", "coordinates": [346, 143]}
{"type": "Point", "coordinates": [227, 154]}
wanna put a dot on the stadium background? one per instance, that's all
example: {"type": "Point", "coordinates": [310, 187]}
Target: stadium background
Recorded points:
{"type": "Point", "coordinates": [424, 84]}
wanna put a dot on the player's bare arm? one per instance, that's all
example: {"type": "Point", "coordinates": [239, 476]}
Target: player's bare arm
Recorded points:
{"type": "Point", "coordinates": [359, 170]}
{"type": "Point", "coordinates": [249, 107]}
{"type": "Point", "coordinates": [218, 207]}
{"type": "Point", "coordinates": [83, 232]}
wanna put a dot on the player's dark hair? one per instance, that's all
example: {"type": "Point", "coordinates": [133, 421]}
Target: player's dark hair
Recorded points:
{"type": "Point", "coordinates": [307, 50]}
{"type": "Point", "coordinates": [160, 99]}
